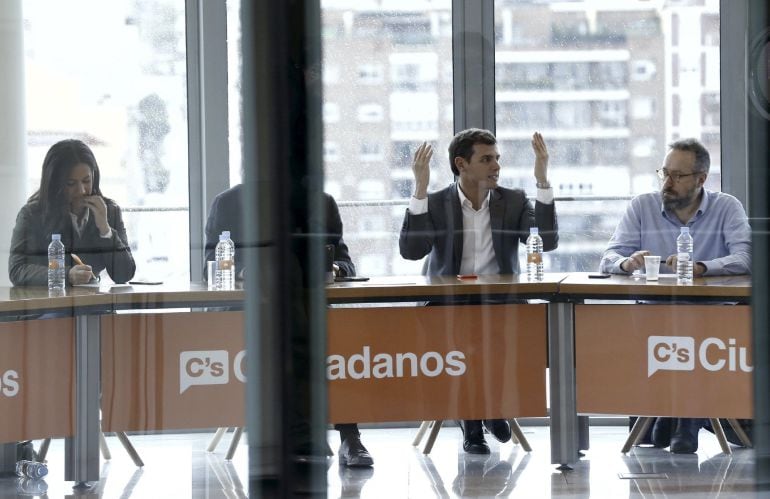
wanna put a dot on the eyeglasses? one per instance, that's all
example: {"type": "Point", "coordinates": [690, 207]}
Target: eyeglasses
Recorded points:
{"type": "Point", "coordinates": [663, 174]}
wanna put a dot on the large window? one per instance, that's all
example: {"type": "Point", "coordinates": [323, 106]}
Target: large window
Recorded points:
{"type": "Point", "coordinates": [113, 74]}
{"type": "Point", "coordinates": [609, 86]}
{"type": "Point", "coordinates": [387, 87]}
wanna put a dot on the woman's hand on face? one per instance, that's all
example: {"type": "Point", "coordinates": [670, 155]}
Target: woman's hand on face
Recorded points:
{"type": "Point", "coordinates": [99, 208]}
{"type": "Point", "coordinates": [80, 274]}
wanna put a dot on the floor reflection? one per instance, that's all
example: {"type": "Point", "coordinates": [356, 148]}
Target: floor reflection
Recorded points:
{"type": "Point", "coordinates": [23, 487]}
{"type": "Point", "coordinates": [721, 475]}
{"type": "Point", "coordinates": [352, 480]}
{"type": "Point", "coordinates": [178, 466]}
{"type": "Point", "coordinates": [226, 475]}
{"type": "Point", "coordinates": [434, 477]}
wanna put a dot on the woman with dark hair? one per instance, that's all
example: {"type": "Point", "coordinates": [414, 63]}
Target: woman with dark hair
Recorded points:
{"type": "Point", "coordinates": [69, 202]}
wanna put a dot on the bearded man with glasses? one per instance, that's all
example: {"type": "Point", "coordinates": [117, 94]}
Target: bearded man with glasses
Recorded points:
{"type": "Point", "coordinates": [650, 226]}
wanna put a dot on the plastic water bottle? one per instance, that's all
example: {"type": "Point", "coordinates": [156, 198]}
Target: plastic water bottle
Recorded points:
{"type": "Point", "coordinates": [227, 233]}
{"type": "Point", "coordinates": [534, 255]}
{"type": "Point", "coordinates": [31, 469]}
{"type": "Point", "coordinates": [684, 256]}
{"type": "Point", "coordinates": [225, 255]}
{"type": "Point", "coordinates": [56, 270]}
{"type": "Point", "coordinates": [232, 245]}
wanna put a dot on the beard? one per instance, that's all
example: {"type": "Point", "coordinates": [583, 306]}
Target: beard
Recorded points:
{"type": "Point", "coordinates": [672, 201]}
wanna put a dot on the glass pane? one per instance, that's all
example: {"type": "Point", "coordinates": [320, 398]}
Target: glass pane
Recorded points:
{"type": "Point", "coordinates": [609, 87]}
{"type": "Point", "coordinates": [113, 74]}
{"type": "Point", "coordinates": [387, 76]}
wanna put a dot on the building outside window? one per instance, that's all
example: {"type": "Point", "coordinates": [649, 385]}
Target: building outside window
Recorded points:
{"type": "Point", "coordinates": [608, 87]}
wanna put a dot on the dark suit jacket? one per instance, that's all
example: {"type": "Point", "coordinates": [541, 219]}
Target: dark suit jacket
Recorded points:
{"type": "Point", "coordinates": [439, 231]}
{"type": "Point", "coordinates": [28, 262]}
{"type": "Point", "coordinates": [226, 213]}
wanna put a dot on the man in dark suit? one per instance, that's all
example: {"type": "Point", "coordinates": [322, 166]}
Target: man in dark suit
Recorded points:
{"type": "Point", "coordinates": [226, 214]}
{"type": "Point", "coordinates": [474, 226]}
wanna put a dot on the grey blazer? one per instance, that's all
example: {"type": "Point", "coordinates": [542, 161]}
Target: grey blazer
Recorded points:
{"type": "Point", "coordinates": [28, 261]}
{"type": "Point", "coordinates": [439, 231]}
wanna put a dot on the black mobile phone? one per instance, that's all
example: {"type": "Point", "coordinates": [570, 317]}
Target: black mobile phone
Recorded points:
{"type": "Point", "coordinates": [350, 278]}
{"type": "Point", "coordinates": [599, 276]}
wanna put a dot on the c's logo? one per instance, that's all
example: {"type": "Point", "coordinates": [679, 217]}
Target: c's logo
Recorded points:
{"type": "Point", "coordinates": [678, 353]}
{"type": "Point", "coordinates": [671, 353]}
{"type": "Point", "coordinates": [203, 368]}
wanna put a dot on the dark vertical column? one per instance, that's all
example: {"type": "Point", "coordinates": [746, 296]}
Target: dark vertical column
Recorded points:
{"type": "Point", "coordinates": [758, 96]}
{"type": "Point", "coordinates": [473, 60]}
{"type": "Point", "coordinates": [285, 310]}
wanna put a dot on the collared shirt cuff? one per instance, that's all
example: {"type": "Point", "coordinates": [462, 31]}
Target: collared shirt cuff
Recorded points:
{"type": "Point", "coordinates": [712, 268]}
{"type": "Point", "coordinates": [617, 269]}
{"type": "Point", "coordinates": [418, 206]}
{"type": "Point", "coordinates": [108, 235]}
{"type": "Point", "coordinates": [545, 196]}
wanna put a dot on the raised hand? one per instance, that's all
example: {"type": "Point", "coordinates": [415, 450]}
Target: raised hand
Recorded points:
{"type": "Point", "coordinates": [541, 158]}
{"type": "Point", "coordinates": [421, 170]}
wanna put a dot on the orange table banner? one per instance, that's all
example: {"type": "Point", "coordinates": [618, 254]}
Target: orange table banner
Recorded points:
{"type": "Point", "coordinates": [664, 360]}
{"type": "Point", "coordinates": [36, 379]}
{"type": "Point", "coordinates": [437, 362]}
{"type": "Point", "coordinates": [184, 371]}
{"type": "Point", "coordinates": [173, 371]}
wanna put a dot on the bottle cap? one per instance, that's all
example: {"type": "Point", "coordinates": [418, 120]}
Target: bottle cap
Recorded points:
{"type": "Point", "coordinates": [533, 230]}
{"type": "Point", "coordinates": [226, 233]}
{"type": "Point", "coordinates": [223, 237]}
{"type": "Point", "coordinates": [684, 230]}
{"type": "Point", "coordinates": [55, 237]}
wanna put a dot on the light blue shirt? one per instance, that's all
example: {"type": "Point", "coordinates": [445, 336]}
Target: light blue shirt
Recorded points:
{"type": "Point", "coordinates": [720, 231]}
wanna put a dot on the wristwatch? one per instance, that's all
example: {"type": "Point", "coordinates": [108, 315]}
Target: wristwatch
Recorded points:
{"type": "Point", "coordinates": [543, 185]}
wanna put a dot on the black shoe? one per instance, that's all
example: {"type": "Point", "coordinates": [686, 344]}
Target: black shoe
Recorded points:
{"type": "Point", "coordinates": [661, 432]}
{"type": "Point", "coordinates": [473, 437]}
{"type": "Point", "coordinates": [684, 439]}
{"type": "Point", "coordinates": [499, 428]}
{"type": "Point", "coordinates": [353, 453]}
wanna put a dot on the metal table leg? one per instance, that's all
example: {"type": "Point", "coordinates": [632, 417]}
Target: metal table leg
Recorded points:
{"type": "Point", "coordinates": [82, 449]}
{"type": "Point", "coordinates": [561, 362]}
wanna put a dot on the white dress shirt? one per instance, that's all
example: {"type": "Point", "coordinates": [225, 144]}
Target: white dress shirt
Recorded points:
{"type": "Point", "coordinates": [478, 255]}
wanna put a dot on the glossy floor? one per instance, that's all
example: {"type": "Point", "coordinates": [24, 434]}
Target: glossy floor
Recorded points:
{"type": "Point", "coordinates": [177, 466]}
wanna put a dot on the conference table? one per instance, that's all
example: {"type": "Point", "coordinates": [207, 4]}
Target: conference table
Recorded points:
{"type": "Point", "coordinates": [50, 373]}
{"type": "Point", "coordinates": [155, 357]}
{"type": "Point", "coordinates": [652, 346]}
